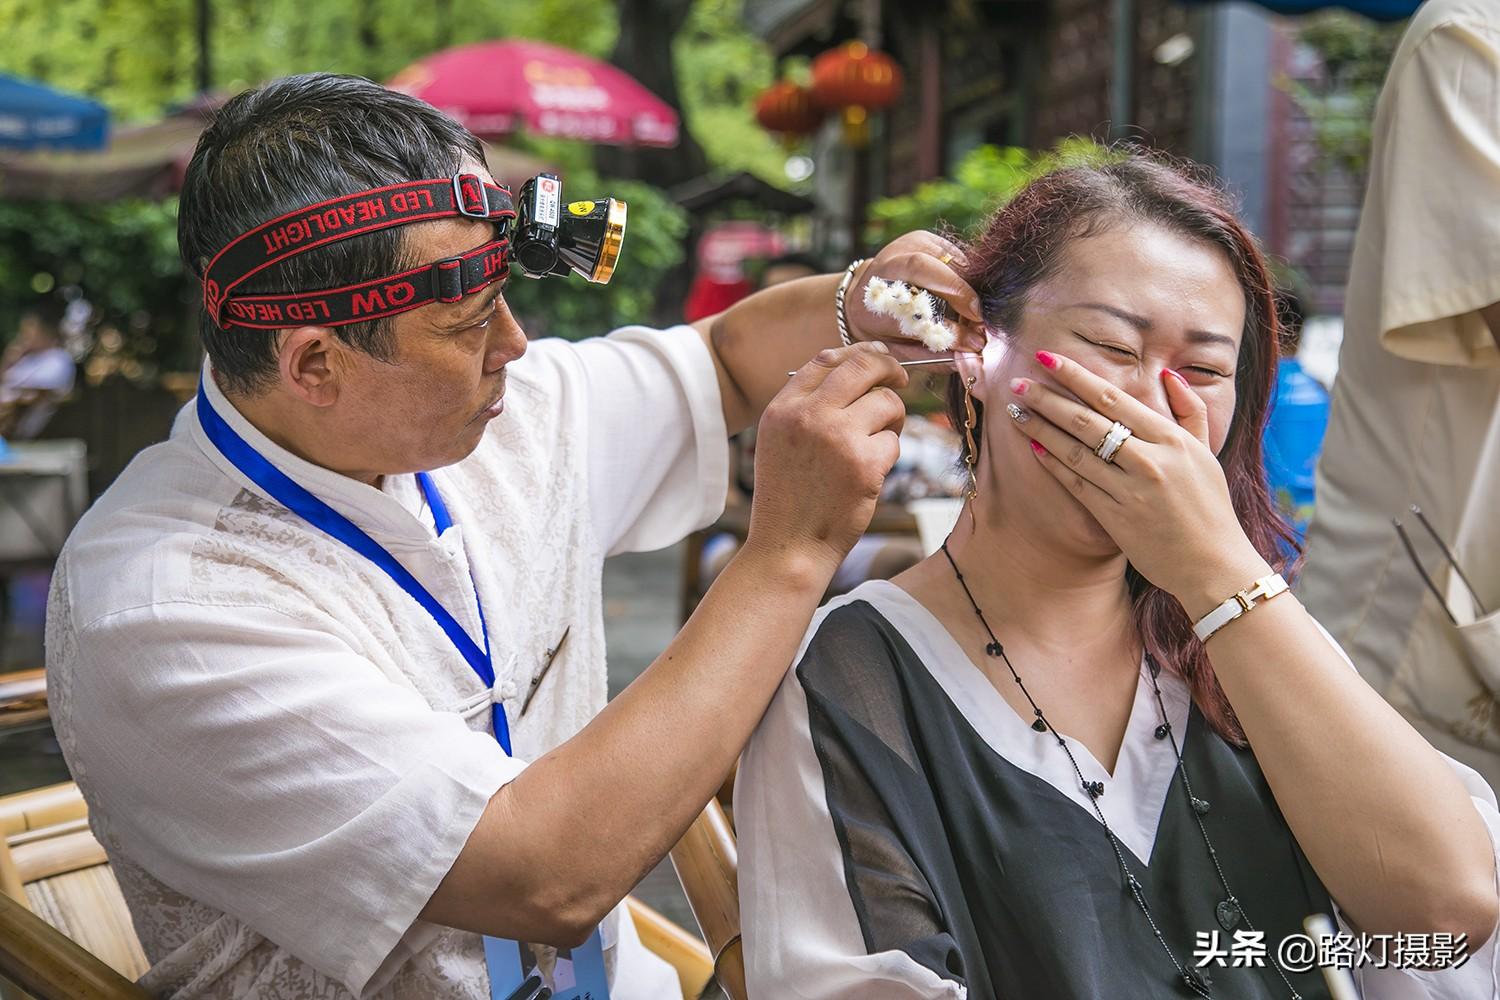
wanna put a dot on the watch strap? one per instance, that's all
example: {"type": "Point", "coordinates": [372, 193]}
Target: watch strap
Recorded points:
{"type": "Point", "coordinates": [1260, 591]}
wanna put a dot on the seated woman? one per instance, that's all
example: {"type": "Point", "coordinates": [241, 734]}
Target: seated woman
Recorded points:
{"type": "Point", "coordinates": [1015, 770]}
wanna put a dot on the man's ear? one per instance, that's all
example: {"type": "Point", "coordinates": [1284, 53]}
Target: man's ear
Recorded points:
{"type": "Point", "coordinates": [309, 369]}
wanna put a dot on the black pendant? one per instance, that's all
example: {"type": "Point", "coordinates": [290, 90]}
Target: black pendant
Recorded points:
{"type": "Point", "coordinates": [1200, 806]}
{"type": "Point", "coordinates": [1039, 726]}
{"type": "Point", "coordinates": [1197, 982]}
{"type": "Point", "coordinates": [1228, 914]}
{"type": "Point", "coordinates": [1094, 788]}
{"type": "Point", "coordinates": [995, 649]}
{"type": "Point", "coordinates": [1162, 730]}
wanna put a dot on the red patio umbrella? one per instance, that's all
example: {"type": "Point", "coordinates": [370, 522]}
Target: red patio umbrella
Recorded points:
{"type": "Point", "coordinates": [495, 88]}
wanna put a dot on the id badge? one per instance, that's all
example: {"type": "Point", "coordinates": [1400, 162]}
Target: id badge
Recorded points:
{"type": "Point", "coordinates": [570, 973]}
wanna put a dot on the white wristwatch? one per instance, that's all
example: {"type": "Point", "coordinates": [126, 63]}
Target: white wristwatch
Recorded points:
{"type": "Point", "coordinates": [1260, 591]}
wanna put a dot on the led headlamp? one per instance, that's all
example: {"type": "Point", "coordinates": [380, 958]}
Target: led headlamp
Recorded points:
{"type": "Point", "coordinates": [551, 238]}
{"type": "Point", "coordinates": [542, 238]}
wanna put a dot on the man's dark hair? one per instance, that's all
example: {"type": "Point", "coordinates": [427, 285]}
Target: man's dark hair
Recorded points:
{"type": "Point", "coordinates": [289, 144]}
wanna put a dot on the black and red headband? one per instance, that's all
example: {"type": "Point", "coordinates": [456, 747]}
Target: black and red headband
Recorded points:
{"type": "Point", "coordinates": [447, 280]}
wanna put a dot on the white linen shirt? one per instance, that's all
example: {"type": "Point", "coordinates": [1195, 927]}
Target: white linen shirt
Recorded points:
{"type": "Point", "coordinates": [281, 751]}
{"type": "Point", "coordinates": [802, 937]}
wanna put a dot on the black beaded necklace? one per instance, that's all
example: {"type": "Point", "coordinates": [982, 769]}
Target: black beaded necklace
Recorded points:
{"type": "Point", "coordinates": [1229, 912]}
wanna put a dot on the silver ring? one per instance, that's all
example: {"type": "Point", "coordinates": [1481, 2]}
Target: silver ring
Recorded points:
{"type": "Point", "coordinates": [1116, 437]}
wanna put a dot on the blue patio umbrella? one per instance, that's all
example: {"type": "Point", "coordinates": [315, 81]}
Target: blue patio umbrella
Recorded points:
{"type": "Point", "coordinates": [1380, 10]}
{"type": "Point", "coordinates": [37, 117]}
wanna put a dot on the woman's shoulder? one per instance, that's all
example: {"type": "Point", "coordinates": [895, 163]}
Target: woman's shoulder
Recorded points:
{"type": "Point", "coordinates": [857, 640]}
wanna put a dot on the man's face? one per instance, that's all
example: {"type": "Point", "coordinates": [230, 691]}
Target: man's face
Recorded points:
{"type": "Point", "coordinates": [429, 405]}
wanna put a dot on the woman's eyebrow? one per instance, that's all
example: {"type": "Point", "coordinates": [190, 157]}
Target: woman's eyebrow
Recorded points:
{"type": "Point", "coordinates": [1204, 337]}
{"type": "Point", "coordinates": [1139, 322]}
{"type": "Point", "coordinates": [1143, 324]}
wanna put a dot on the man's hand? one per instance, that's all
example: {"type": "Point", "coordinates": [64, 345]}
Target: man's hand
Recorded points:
{"type": "Point", "coordinates": [928, 261]}
{"type": "Point", "coordinates": [758, 340]}
{"type": "Point", "coordinates": [823, 449]}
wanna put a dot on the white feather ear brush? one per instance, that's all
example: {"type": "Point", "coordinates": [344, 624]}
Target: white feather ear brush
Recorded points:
{"type": "Point", "coordinates": [919, 312]}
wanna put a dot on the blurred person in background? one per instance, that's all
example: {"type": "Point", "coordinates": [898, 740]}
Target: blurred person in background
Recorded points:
{"type": "Point", "coordinates": [36, 373]}
{"type": "Point", "coordinates": [1298, 419]}
{"type": "Point", "coordinates": [1416, 405]}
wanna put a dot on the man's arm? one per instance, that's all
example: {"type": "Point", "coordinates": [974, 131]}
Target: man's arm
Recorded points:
{"type": "Point", "coordinates": [758, 340]}
{"type": "Point", "coordinates": [564, 841]}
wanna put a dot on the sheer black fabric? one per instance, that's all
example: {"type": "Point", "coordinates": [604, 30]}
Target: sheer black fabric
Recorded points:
{"type": "Point", "coordinates": [989, 876]}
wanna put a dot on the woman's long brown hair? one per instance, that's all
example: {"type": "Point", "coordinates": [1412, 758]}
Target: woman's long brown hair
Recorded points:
{"type": "Point", "coordinates": [1023, 244]}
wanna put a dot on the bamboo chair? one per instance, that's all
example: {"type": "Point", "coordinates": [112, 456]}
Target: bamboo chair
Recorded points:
{"type": "Point", "coordinates": [45, 963]}
{"type": "Point", "coordinates": [65, 931]}
{"type": "Point", "coordinates": [706, 861]}
{"type": "Point", "coordinates": [23, 698]}
{"type": "Point", "coordinates": [669, 942]}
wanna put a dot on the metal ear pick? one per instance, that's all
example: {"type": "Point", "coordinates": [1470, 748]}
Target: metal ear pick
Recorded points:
{"type": "Point", "coordinates": [914, 364]}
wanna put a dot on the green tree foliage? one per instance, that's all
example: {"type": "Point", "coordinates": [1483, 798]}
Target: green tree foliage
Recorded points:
{"type": "Point", "coordinates": [721, 68]}
{"type": "Point", "coordinates": [139, 57]}
{"type": "Point", "coordinates": [1355, 53]}
{"type": "Point", "coordinates": [124, 253]}
{"type": "Point", "coordinates": [983, 180]}
{"type": "Point", "coordinates": [571, 307]}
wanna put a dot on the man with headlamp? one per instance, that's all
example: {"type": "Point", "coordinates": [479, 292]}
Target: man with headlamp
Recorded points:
{"type": "Point", "coordinates": [327, 663]}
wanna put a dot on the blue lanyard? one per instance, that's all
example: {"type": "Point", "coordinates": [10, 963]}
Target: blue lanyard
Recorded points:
{"type": "Point", "coordinates": [299, 501]}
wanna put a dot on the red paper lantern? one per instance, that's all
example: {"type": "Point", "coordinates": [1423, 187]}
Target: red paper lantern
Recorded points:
{"type": "Point", "coordinates": [855, 80]}
{"type": "Point", "coordinates": [788, 109]}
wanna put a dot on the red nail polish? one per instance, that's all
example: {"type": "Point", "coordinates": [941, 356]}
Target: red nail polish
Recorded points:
{"type": "Point", "coordinates": [1038, 449]}
{"type": "Point", "coordinates": [1046, 360]}
{"type": "Point", "coordinates": [1018, 386]}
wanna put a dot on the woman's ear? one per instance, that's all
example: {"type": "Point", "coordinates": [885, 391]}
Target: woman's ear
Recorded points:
{"type": "Point", "coordinates": [985, 367]}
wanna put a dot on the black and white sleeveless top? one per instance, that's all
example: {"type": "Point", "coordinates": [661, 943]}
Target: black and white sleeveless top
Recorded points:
{"type": "Point", "coordinates": [903, 833]}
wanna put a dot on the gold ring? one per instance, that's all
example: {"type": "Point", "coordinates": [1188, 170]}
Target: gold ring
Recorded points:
{"type": "Point", "coordinates": [946, 258]}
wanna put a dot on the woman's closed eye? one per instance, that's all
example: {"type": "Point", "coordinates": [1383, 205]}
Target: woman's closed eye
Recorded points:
{"type": "Point", "coordinates": [1123, 352]}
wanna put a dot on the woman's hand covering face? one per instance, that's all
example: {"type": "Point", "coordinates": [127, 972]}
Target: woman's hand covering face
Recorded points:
{"type": "Point", "coordinates": [1164, 498]}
